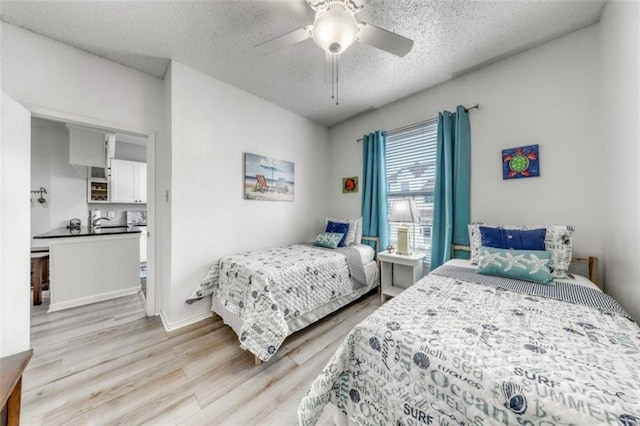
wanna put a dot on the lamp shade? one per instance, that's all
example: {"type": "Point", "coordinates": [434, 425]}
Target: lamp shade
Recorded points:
{"type": "Point", "coordinates": [334, 31]}
{"type": "Point", "coordinates": [404, 210]}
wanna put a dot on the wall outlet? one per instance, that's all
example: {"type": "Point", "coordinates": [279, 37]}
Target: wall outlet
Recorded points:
{"type": "Point", "coordinates": [111, 214]}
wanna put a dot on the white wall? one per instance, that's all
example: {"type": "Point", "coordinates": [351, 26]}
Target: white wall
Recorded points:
{"type": "Point", "coordinates": [620, 136]}
{"type": "Point", "coordinates": [40, 177]}
{"type": "Point", "coordinates": [544, 96]}
{"type": "Point", "coordinates": [213, 124]}
{"type": "Point", "coordinates": [66, 189]}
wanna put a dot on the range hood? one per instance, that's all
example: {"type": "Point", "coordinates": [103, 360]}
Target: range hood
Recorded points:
{"type": "Point", "coordinates": [87, 149]}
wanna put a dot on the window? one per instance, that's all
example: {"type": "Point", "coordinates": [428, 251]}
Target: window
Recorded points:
{"type": "Point", "coordinates": [411, 173]}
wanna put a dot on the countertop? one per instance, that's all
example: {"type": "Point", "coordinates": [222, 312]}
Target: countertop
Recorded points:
{"type": "Point", "coordinates": [84, 232]}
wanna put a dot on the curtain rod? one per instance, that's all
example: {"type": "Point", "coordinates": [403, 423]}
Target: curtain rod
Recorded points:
{"type": "Point", "coordinates": [399, 129]}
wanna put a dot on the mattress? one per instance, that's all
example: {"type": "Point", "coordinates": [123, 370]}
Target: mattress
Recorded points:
{"type": "Point", "coordinates": [236, 323]}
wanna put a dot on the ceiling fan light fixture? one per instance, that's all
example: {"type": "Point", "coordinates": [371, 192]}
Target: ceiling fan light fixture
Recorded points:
{"type": "Point", "coordinates": [334, 31]}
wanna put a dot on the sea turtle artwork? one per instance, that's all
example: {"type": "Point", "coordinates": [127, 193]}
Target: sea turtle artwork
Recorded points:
{"type": "Point", "coordinates": [520, 162]}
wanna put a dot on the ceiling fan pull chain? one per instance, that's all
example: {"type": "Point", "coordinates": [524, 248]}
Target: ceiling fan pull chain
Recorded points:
{"type": "Point", "coordinates": [337, 79]}
{"type": "Point", "coordinates": [333, 76]}
{"type": "Point", "coordinates": [335, 68]}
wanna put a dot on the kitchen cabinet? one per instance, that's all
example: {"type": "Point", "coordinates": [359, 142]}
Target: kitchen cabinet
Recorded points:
{"type": "Point", "coordinates": [92, 267]}
{"type": "Point", "coordinates": [97, 185]}
{"type": "Point", "coordinates": [140, 184]}
{"type": "Point", "coordinates": [97, 190]}
{"type": "Point", "coordinates": [128, 181]}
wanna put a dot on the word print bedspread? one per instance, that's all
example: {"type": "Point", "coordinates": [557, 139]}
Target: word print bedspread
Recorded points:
{"type": "Point", "coordinates": [267, 288]}
{"type": "Point", "coordinates": [450, 352]}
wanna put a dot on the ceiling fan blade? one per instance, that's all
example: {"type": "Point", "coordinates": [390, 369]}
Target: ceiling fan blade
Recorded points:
{"type": "Point", "coordinates": [383, 39]}
{"type": "Point", "coordinates": [285, 40]}
{"type": "Point", "coordinates": [358, 5]}
{"type": "Point", "coordinates": [317, 5]}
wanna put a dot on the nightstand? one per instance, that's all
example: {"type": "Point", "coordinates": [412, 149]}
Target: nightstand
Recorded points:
{"type": "Point", "coordinates": [399, 272]}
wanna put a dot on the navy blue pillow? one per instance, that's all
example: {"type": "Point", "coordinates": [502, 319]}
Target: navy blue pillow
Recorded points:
{"type": "Point", "coordinates": [339, 228]}
{"type": "Point", "coordinates": [514, 239]}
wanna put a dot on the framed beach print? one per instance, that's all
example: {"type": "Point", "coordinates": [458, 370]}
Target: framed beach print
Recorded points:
{"type": "Point", "coordinates": [267, 178]}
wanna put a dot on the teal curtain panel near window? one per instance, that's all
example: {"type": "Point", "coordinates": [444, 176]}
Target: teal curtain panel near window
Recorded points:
{"type": "Point", "coordinates": [452, 197]}
{"type": "Point", "coordinates": [374, 188]}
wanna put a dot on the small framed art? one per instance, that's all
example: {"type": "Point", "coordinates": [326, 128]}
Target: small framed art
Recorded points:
{"type": "Point", "coordinates": [349, 184]}
{"type": "Point", "coordinates": [521, 162]}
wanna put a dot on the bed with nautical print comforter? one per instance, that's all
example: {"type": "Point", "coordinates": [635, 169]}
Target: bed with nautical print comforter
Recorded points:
{"type": "Point", "coordinates": [449, 351]}
{"type": "Point", "coordinates": [267, 288]}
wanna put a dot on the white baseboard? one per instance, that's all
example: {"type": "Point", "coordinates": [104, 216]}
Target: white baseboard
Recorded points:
{"type": "Point", "coordinates": [168, 326]}
{"type": "Point", "coordinates": [92, 299]}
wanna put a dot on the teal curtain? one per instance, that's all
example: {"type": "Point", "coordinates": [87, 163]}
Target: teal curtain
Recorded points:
{"type": "Point", "coordinates": [374, 188]}
{"type": "Point", "coordinates": [452, 198]}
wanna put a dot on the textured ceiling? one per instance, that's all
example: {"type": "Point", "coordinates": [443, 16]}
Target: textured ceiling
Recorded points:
{"type": "Point", "coordinates": [218, 38]}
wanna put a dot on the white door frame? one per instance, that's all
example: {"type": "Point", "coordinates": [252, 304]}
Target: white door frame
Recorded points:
{"type": "Point", "coordinates": [153, 296]}
{"type": "Point", "coordinates": [15, 147]}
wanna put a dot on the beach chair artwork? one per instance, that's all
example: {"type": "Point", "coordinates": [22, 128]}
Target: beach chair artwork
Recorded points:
{"type": "Point", "coordinates": [267, 178]}
{"type": "Point", "coordinates": [261, 184]}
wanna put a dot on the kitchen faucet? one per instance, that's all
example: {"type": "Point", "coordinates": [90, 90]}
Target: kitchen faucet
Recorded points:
{"type": "Point", "coordinates": [95, 223]}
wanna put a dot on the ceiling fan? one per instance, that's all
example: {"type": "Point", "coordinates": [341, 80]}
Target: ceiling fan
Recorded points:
{"type": "Point", "coordinates": [334, 29]}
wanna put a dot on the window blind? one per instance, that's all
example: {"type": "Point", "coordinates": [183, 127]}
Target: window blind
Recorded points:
{"type": "Point", "coordinates": [411, 173]}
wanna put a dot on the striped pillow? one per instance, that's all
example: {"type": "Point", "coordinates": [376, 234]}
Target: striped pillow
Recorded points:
{"type": "Point", "coordinates": [328, 240]}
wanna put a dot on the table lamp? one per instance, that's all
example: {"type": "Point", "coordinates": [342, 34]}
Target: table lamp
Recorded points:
{"type": "Point", "coordinates": [404, 211]}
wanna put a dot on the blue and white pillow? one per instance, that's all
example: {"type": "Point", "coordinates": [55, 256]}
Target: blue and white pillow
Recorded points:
{"type": "Point", "coordinates": [354, 235]}
{"type": "Point", "coordinates": [328, 239]}
{"type": "Point", "coordinates": [337, 227]}
{"type": "Point", "coordinates": [513, 239]}
{"type": "Point", "coordinates": [527, 265]}
{"type": "Point", "coordinates": [558, 240]}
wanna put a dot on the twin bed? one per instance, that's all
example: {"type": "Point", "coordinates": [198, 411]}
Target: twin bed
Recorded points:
{"type": "Point", "coordinates": [456, 348]}
{"type": "Point", "coordinates": [464, 348]}
{"type": "Point", "coordinates": [266, 295]}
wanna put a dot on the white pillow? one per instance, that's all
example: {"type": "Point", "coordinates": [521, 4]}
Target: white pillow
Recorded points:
{"type": "Point", "coordinates": [359, 231]}
{"type": "Point", "coordinates": [558, 240]}
{"type": "Point", "coordinates": [354, 235]}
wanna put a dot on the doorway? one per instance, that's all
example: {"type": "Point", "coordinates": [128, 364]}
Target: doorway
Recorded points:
{"type": "Point", "coordinates": [132, 152]}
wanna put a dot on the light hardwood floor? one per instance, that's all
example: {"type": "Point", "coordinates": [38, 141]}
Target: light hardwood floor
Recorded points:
{"type": "Point", "coordinates": [108, 363]}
